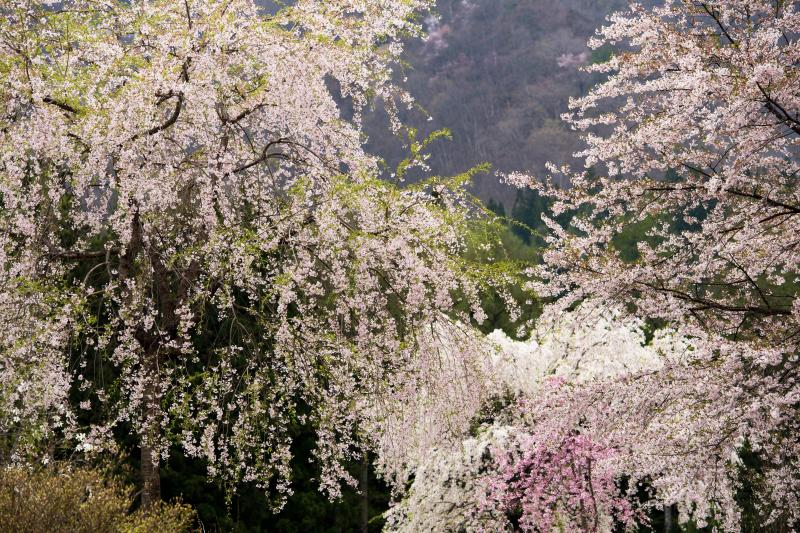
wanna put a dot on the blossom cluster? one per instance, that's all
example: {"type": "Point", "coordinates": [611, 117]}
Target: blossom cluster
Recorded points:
{"type": "Point", "coordinates": [563, 485]}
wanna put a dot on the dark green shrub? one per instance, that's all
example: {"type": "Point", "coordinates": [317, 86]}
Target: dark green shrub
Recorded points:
{"type": "Point", "coordinates": [79, 500]}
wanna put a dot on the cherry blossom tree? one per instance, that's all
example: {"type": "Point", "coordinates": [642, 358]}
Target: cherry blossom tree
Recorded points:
{"type": "Point", "coordinates": [697, 128]}
{"type": "Point", "coordinates": [561, 485]}
{"type": "Point", "coordinates": [193, 245]}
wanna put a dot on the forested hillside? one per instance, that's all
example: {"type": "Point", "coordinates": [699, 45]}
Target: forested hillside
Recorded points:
{"type": "Point", "coordinates": [499, 74]}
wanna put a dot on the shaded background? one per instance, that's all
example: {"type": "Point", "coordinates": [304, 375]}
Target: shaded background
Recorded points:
{"type": "Point", "coordinates": [499, 75]}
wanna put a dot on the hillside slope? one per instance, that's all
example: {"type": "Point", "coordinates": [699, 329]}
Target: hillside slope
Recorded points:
{"type": "Point", "coordinates": [499, 73]}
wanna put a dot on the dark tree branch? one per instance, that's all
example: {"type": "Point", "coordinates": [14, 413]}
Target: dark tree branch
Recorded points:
{"type": "Point", "coordinates": [61, 105]}
{"type": "Point", "coordinates": [769, 201]}
{"type": "Point", "coordinates": [188, 13]}
{"type": "Point", "coordinates": [81, 255]}
{"type": "Point", "coordinates": [780, 112]}
{"type": "Point", "coordinates": [265, 155]}
{"type": "Point", "coordinates": [173, 118]}
{"type": "Point", "coordinates": [707, 304]}
{"type": "Point", "coordinates": [790, 209]}
{"type": "Point", "coordinates": [752, 282]}
{"type": "Point", "coordinates": [722, 27]}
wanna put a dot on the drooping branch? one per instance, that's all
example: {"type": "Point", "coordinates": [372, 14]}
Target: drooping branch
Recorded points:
{"type": "Point", "coordinates": [81, 255]}
{"type": "Point", "coordinates": [789, 208]}
{"type": "Point", "coordinates": [225, 117]}
{"type": "Point", "coordinates": [779, 111]}
{"type": "Point", "coordinates": [264, 156]}
{"type": "Point", "coordinates": [769, 201]}
{"type": "Point", "coordinates": [173, 118]}
{"type": "Point", "coordinates": [713, 305]}
{"type": "Point", "coordinates": [59, 104]}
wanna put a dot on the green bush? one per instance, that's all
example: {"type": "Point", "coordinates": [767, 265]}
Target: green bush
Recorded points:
{"type": "Point", "coordinates": [79, 500]}
{"type": "Point", "coordinates": [161, 518]}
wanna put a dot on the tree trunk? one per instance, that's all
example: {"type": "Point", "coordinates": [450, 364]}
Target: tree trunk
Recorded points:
{"type": "Point", "coordinates": [667, 518]}
{"type": "Point", "coordinates": [364, 493]}
{"type": "Point", "coordinates": [151, 418]}
{"type": "Point", "coordinates": [151, 477]}
{"type": "Point", "coordinates": [150, 470]}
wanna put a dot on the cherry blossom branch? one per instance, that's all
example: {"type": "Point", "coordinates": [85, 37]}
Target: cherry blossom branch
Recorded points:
{"type": "Point", "coordinates": [265, 155]}
{"type": "Point", "coordinates": [778, 110]}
